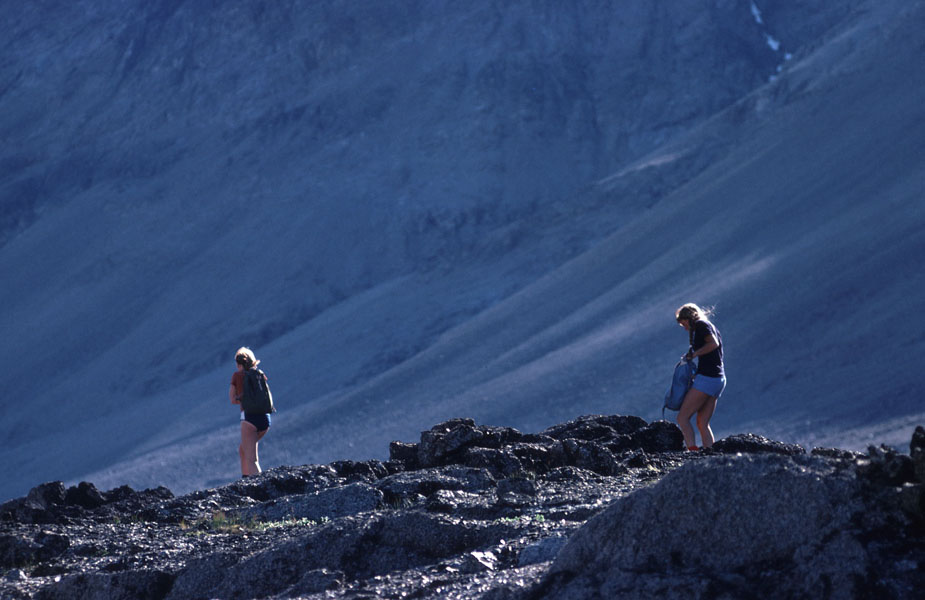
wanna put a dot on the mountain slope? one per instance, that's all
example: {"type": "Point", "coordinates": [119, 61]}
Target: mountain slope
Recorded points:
{"type": "Point", "coordinates": [504, 234]}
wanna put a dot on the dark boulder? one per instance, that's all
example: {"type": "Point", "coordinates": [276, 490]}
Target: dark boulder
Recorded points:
{"type": "Point", "coordinates": [500, 463]}
{"type": "Point", "coordinates": [405, 453]}
{"type": "Point", "coordinates": [367, 470]}
{"type": "Point", "coordinates": [17, 550]}
{"type": "Point", "coordinates": [538, 458]}
{"type": "Point", "coordinates": [445, 442]}
{"type": "Point", "coordinates": [516, 492]}
{"type": "Point", "coordinates": [285, 481]}
{"type": "Point", "coordinates": [659, 436]}
{"type": "Point", "coordinates": [41, 505]}
{"type": "Point", "coordinates": [886, 466]}
{"type": "Point", "coordinates": [836, 453]}
{"type": "Point", "coordinates": [47, 495]}
{"type": "Point", "coordinates": [592, 456]}
{"type": "Point", "coordinates": [917, 453]}
{"type": "Point", "coordinates": [409, 486]}
{"type": "Point", "coordinates": [599, 428]}
{"type": "Point", "coordinates": [85, 495]}
{"type": "Point", "coordinates": [458, 502]}
{"type": "Point", "coordinates": [750, 443]}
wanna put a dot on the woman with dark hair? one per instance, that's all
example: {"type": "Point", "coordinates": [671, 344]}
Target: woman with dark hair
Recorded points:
{"type": "Point", "coordinates": [253, 425]}
{"type": "Point", "coordinates": [710, 381]}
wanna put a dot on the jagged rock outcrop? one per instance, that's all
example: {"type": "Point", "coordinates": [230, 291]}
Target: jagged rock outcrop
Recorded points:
{"type": "Point", "coordinates": [722, 525]}
{"type": "Point", "coordinates": [602, 506]}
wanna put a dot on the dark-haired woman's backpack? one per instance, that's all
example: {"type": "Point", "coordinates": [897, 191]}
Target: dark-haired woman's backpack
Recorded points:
{"type": "Point", "coordinates": [684, 374]}
{"type": "Point", "coordinates": [257, 397]}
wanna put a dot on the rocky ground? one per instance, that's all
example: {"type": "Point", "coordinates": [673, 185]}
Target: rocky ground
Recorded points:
{"type": "Point", "coordinates": [599, 507]}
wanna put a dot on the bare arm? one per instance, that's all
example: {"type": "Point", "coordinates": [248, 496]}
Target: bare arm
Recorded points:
{"type": "Point", "coordinates": [709, 345]}
{"type": "Point", "coordinates": [232, 395]}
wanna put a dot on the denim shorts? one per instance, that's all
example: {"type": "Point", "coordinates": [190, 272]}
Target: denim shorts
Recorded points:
{"type": "Point", "coordinates": [711, 386]}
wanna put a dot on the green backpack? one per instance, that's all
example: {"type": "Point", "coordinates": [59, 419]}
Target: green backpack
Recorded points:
{"type": "Point", "coordinates": [257, 397]}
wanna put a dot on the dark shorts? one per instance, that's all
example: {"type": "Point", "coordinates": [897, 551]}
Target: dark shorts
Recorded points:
{"type": "Point", "coordinates": [259, 420]}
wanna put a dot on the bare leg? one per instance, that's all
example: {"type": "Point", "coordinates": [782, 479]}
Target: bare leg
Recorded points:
{"type": "Point", "coordinates": [260, 435]}
{"type": "Point", "coordinates": [703, 421]}
{"type": "Point", "coordinates": [693, 402]}
{"type": "Point", "coordinates": [248, 449]}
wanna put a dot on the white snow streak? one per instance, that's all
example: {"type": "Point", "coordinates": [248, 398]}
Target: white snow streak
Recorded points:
{"type": "Point", "coordinates": [773, 43]}
{"type": "Point", "coordinates": [756, 12]}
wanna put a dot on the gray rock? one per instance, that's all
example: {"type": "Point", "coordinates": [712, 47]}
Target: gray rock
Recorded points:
{"type": "Point", "coordinates": [917, 453]}
{"type": "Point", "coordinates": [202, 577]}
{"type": "Point", "coordinates": [18, 550]}
{"type": "Point", "coordinates": [441, 443]}
{"type": "Point", "coordinates": [38, 506]}
{"type": "Point", "coordinates": [47, 495]}
{"type": "Point", "coordinates": [912, 497]}
{"type": "Point", "coordinates": [746, 514]}
{"type": "Point", "coordinates": [427, 481]}
{"type": "Point", "coordinates": [454, 501]}
{"type": "Point", "coordinates": [127, 585]}
{"type": "Point", "coordinates": [16, 576]}
{"type": "Point", "coordinates": [85, 495]}
{"type": "Point", "coordinates": [367, 470]}
{"type": "Point", "coordinates": [360, 548]}
{"type": "Point", "coordinates": [540, 551]}
{"type": "Point", "coordinates": [600, 428]}
{"type": "Point", "coordinates": [499, 462]}
{"type": "Point", "coordinates": [476, 561]}
{"type": "Point", "coordinates": [918, 439]}
{"type": "Point", "coordinates": [660, 436]}
{"type": "Point", "coordinates": [827, 525]}
{"type": "Point", "coordinates": [592, 456]}
{"type": "Point", "coordinates": [516, 492]}
{"type": "Point", "coordinates": [517, 485]}
{"type": "Point", "coordinates": [332, 503]}
{"type": "Point", "coordinates": [317, 581]}
{"type": "Point", "coordinates": [751, 443]}
{"type": "Point", "coordinates": [837, 453]}
{"type": "Point", "coordinates": [404, 452]}
{"type": "Point", "coordinates": [886, 466]}
{"type": "Point", "coordinates": [538, 458]}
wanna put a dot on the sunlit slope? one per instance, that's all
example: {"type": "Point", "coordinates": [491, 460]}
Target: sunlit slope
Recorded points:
{"type": "Point", "coordinates": [804, 229]}
{"type": "Point", "coordinates": [336, 184]}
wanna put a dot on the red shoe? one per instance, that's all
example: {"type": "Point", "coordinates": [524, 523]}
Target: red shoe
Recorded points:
{"type": "Point", "coordinates": [693, 448]}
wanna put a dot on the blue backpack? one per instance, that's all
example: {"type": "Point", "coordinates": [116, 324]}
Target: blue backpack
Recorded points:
{"type": "Point", "coordinates": [681, 382]}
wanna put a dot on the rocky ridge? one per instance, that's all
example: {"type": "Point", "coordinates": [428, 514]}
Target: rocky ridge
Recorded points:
{"type": "Point", "coordinates": [602, 506]}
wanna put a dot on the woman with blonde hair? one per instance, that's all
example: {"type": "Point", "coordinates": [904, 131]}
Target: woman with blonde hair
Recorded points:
{"type": "Point", "coordinates": [253, 425]}
{"type": "Point", "coordinates": [710, 381]}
